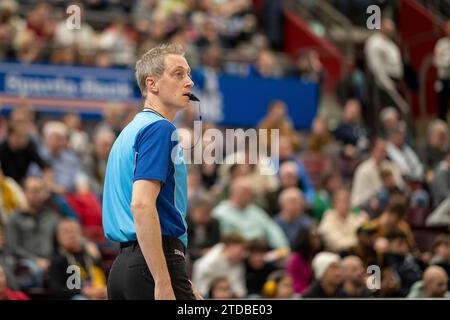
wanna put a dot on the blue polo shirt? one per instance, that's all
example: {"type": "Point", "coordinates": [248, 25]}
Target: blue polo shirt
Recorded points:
{"type": "Point", "coordinates": [146, 149]}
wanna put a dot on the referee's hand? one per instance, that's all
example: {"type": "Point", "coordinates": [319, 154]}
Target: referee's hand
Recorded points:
{"type": "Point", "coordinates": [164, 292]}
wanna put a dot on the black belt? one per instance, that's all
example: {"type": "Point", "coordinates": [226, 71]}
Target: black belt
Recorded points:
{"type": "Point", "coordinates": [170, 245]}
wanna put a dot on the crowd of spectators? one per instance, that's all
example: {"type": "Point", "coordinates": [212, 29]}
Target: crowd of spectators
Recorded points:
{"type": "Point", "coordinates": [344, 199]}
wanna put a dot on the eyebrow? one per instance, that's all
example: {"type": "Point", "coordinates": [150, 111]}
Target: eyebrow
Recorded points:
{"type": "Point", "coordinates": [181, 67]}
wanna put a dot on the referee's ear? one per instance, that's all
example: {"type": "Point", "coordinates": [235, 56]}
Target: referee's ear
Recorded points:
{"type": "Point", "coordinates": [150, 84]}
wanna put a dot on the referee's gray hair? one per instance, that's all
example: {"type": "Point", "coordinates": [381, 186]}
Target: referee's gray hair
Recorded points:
{"type": "Point", "coordinates": [152, 63]}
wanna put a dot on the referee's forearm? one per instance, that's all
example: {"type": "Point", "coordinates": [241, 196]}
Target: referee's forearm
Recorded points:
{"type": "Point", "coordinates": [148, 232]}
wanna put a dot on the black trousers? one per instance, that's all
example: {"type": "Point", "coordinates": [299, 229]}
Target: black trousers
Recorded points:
{"type": "Point", "coordinates": [130, 278]}
{"type": "Point", "coordinates": [443, 98]}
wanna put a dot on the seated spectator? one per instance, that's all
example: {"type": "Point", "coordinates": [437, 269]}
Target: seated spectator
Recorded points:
{"type": "Point", "coordinates": [305, 247]}
{"type": "Point", "coordinates": [203, 229]}
{"type": "Point", "coordinates": [220, 289]}
{"type": "Point", "coordinates": [351, 131]}
{"type": "Point", "coordinates": [31, 232]}
{"type": "Point", "coordinates": [95, 164]}
{"type": "Point", "coordinates": [8, 262]}
{"type": "Point", "coordinates": [257, 268]}
{"type": "Point", "coordinates": [390, 284]}
{"type": "Point", "coordinates": [12, 198]}
{"type": "Point", "coordinates": [328, 274]}
{"type": "Point", "coordinates": [5, 292]}
{"type": "Point", "coordinates": [278, 286]}
{"type": "Point", "coordinates": [320, 139]}
{"type": "Point", "coordinates": [71, 251]}
{"type": "Point", "coordinates": [440, 185]}
{"type": "Point", "coordinates": [292, 217]}
{"type": "Point", "coordinates": [393, 218]}
{"type": "Point", "coordinates": [338, 226]}
{"type": "Point", "coordinates": [78, 140]}
{"type": "Point", "coordinates": [367, 180]}
{"type": "Point", "coordinates": [441, 253]}
{"type": "Point", "coordinates": [398, 257]}
{"type": "Point", "coordinates": [265, 66]}
{"type": "Point", "coordinates": [376, 204]}
{"type": "Point", "coordinates": [404, 156]}
{"type": "Point", "coordinates": [331, 182]}
{"type": "Point", "coordinates": [239, 215]}
{"type": "Point", "coordinates": [114, 115]}
{"type": "Point", "coordinates": [434, 284]}
{"type": "Point", "coordinates": [277, 118]}
{"type": "Point", "coordinates": [390, 120]}
{"type": "Point", "coordinates": [18, 152]}
{"type": "Point", "coordinates": [436, 147]}
{"type": "Point", "coordinates": [354, 275]}
{"type": "Point", "coordinates": [308, 67]}
{"type": "Point", "coordinates": [65, 163]}
{"type": "Point", "coordinates": [225, 259]}
{"type": "Point", "coordinates": [365, 248]}
{"type": "Point", "coordinates": [292, 175]}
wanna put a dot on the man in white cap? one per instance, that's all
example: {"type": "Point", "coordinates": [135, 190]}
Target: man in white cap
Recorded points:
{"type": "Point", "coordinates": [328, 274]}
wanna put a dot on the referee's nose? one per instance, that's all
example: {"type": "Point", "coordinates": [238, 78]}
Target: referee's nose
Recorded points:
{"type": "Point", "coordinates": [189, 83]}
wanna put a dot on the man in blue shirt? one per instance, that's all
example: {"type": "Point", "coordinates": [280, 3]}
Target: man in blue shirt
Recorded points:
{"type": "Point", "coordinates": [144, 201]}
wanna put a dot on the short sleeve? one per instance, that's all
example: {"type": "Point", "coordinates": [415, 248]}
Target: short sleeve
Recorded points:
{"type": "Point", "coordinates": [153, 146]}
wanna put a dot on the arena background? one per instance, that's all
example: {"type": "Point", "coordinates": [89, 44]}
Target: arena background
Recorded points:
{"type": "Point", "coordinates": [364, 179]}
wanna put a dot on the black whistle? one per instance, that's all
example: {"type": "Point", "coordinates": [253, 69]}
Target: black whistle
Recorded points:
{"type": "Point", "coordinates": [193, 97]}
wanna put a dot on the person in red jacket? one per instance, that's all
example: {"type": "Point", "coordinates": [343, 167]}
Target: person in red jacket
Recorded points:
{"type": "Point", "coordinates": [6, 293]}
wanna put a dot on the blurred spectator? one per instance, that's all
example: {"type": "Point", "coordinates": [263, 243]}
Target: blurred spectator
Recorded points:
{"type": "Point", "coordinates": [80, 39]}
{"type": "Point", "coordinates": [71, 251]}
{"type": "Point", "coordinates": [390, 284]}
{"type": "Point", "coordinates": [384, 61]}
{"type": "Point", "coordinates": [5, 292]}
{"type": "Point", "coordinates": [436, 148]}
{"type": "Point", "coordinates": [308, 67]}
{"type": "Point", "coordinates": [338, 226]}
{"type": "Point", "coordinates": [11, 25]}
{"type": "Point", "coordinates": [376, 204]}
{"type": "Point", "coordinates": [365, 247]}
{"type": "Point", "coordinates": [65, 164]}
{"type": "Point", "coordinates": [40, 22]}
{"type": "Point", "coordinates": [286, 154]}
{"type": "Point", "coordinates": [95, 163]}
{"type": "Point", "coordinates": [351, 131]}
{"type": "Point", "coordinates": [257, 269]}
{"type": "Point", "coordinates": [23, 114]}
{"type": "Point", "coordinates": [441, 253]}
{"type": "Point", "coordinates": [120, 40]}
{"type": "Point", "coordinates": [354, 275]}
{"type": "Point", "coordinates": [442, 63]}
{"type": "Point", "coordinates": [208, 35]}
{"type": "Point", "coordinates": [12, 198]}
{"type": "Point", "coordinates": [31, 232]}
{"type": "Point", "coordinates": [272, 22]}
{"type": "Point", "coordinates": [18, 152]}
{"type": "Point", "coordinates": [143, 14]}
{"type": "Point", "coordinates": [77, 138]}
{"type": "Point", "coordinates": [266, 66]}
{"type": "Point", "coordinates": [225, 259]}
{"type": "Point", "coordinates": [305, 247]}
{"type": "Point", "coordinates": [404, 156]}
{"type": "Point", "coordinates": [367, 180]}
{"type": "Point", "coordinates": [331, 182]}
{"type": "Point", "coordinates": [203, 229]}
{"type": "Point", "coordinates": [114, 115]}
{"type": "Point", "coordinates": [194, 182]}
{"type": "Point", "coordinates": [8, 261]}
{"type": "Point", "coordinates": [320, 138]}
{"type": "Point", "coordinates": [328, 274]}
{"type": "Point", "coordinates": [393, 218]}
{"type": "Point", "coordinates": [440, 185]}
{"type": "Point", "coordinates": [398, 256]}
{"type": "Point", "coordinates": [277, 118]}
{"type": "Point", "coordinates": [220, 288]}
{"type": "Point", "coordinates": [238, 214]}
{"type": "Point", "coordinates": [278, 286]}
{"type": "Point", "coordinates": [434, 285]}
{"type": "Point", "coordinates": [390, 120]}
{"type": "Point", "coordinates": [292, 217]}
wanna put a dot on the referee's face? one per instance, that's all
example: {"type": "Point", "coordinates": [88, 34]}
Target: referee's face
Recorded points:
{"type": "Point", "coordinates": [175, 83]}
